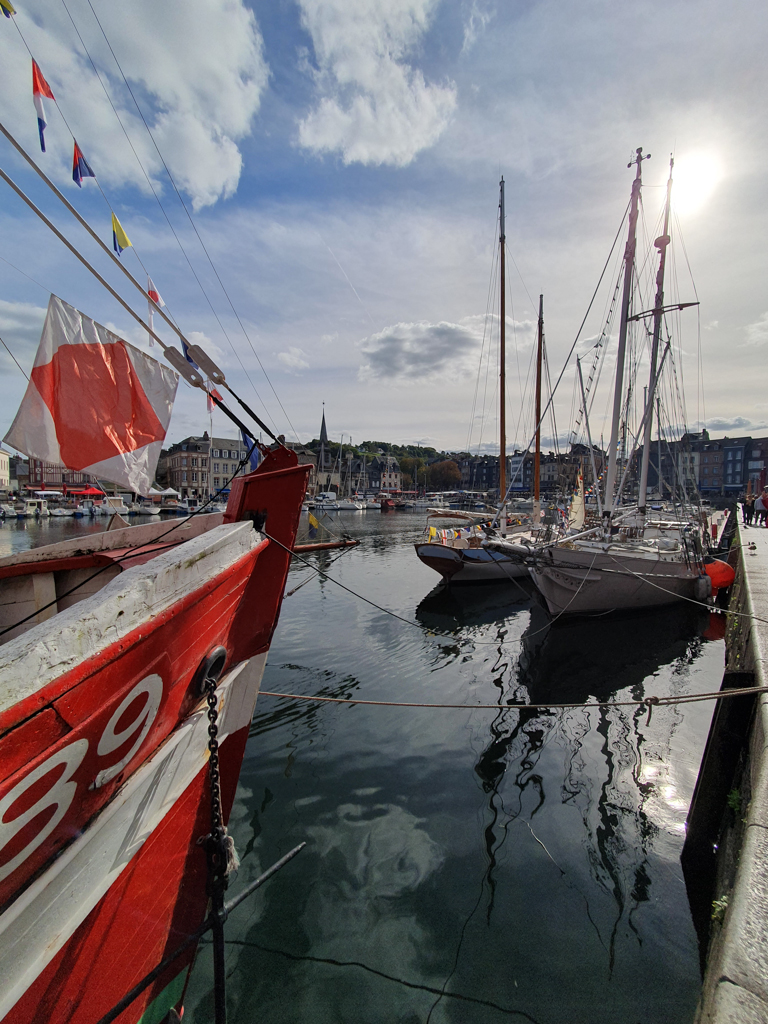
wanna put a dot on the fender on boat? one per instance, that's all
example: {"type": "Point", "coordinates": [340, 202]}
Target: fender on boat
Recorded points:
{"type": "Point", "coordinates": [720, 572]}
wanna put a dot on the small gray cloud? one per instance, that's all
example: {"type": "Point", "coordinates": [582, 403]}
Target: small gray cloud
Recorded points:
{"type": "Point", "coordinates": [417, 350]}
{"type": "Point", "coordinates": [738, 423]}
{"type": "Point", "coordinates": [413, 352]}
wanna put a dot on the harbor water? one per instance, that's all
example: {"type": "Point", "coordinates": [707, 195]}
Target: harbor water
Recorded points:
{"type": "Point", "coordinates": [462, 864]}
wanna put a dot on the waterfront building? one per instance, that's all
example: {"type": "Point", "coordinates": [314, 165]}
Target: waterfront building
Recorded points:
{"type": "Point", "coordinates": [757, 463]}
{"type": "Point", "coordinates": [384, 474]}
{"type": "Point", "coordinates": [735, 463]}
{"type": "Point", "coordinates": [306, 458]}
{"type": "Point", "coordinates": [197, 467]}
{"type": "Point", "coordinates": [710, 478]}
{"type": "Point", "coordinates": [520, 472]}
{"type": "Point", "coordinates": [45, 476]}
{"type": "Point", "coordinates": [479, 473]}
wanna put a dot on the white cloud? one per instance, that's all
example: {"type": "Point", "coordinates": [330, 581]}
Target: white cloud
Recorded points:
{"type": "Point", "coordinates": [294, 359]}
{"type": "Point", "coordinates": [475, 25]}
{"type": "Point", "coordinates": [198, 74]}
{"type": "Point", "coordinates": [374, 108]}
{"type": "Point", "coordinates": [210, 346]}
{"type": "Point", "coordinates": [757, 332]}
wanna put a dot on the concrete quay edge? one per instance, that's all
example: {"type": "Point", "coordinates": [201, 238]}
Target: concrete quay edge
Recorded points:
{"type": "Point", "coordinates": [735, 987]}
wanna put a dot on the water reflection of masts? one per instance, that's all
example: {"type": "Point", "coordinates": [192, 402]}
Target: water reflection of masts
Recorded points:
{"type": "Point", "coordinates": [574, 662]}
{"type": "Point", "coordinates": [491, 768]}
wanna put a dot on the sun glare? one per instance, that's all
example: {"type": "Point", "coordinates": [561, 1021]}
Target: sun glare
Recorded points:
{"type": "Point", "coordinates": [695, 178]}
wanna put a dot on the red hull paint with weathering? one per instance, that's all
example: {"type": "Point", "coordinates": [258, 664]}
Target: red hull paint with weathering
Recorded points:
{"type": "Point", "coordinates": [146, 915]}
{"type": "Point", "coordinates": [159, 896]}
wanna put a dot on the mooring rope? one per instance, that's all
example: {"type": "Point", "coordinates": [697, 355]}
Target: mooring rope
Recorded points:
{"type": "Point", "coordinates": [649, 702]}
{"type": "Point", "coordinates": [495, 643]}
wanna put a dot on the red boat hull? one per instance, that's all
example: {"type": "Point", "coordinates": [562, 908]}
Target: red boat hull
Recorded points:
{"type": "Point", "coordinates": [103, 778]}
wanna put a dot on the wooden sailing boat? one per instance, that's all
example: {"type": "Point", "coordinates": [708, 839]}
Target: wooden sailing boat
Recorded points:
{"type": "Point", "coordinates": [459, 553]}
{"type": "Point", "coordinates": [628, 561]}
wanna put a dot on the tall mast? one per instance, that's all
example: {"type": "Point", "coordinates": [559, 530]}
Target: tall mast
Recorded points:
{"type": "Point", "coordinates": [661, 244]}
{"type": "Point", "coordinates": [537, 452]}
{"type": "Point", "coordinates": [502, 368]}
{"type": "Point", "coordinates": [629, 262]}
{"type": "Point", "coordinates": [658, 422]}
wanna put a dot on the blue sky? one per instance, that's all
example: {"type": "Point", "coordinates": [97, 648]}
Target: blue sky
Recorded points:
{"type": "Point", "coordinates": [342, 162]}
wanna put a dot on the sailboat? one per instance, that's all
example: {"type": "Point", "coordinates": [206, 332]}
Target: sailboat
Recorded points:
{"type": "Point", "coordinates": [459, 553]}
{"type": "Point", "coordinates": [132, 660]}
{"type": "Point", "coordinates": [629, 561]}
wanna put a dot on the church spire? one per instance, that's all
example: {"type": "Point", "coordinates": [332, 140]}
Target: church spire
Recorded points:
{"type": "Point", "coordinates": [323, 431]}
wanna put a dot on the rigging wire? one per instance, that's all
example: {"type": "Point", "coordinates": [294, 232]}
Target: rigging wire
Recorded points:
{"type": "Point", "coordinates": [23, 274]}
{"type": "Point", "coordinates": [486, 342]}
{"type": "Point", "coordinates": [13, 357]}
{"type": "Point", "coordinates": [191, 221]}
{"type": "Point", "coordinates": [167, 218]}
{"type": "Point", "coordinates": [578, 333]}
{"type": "Point", "coordinates": [72, 134]}
{"type": "Point", "coordinates": [115, 295]}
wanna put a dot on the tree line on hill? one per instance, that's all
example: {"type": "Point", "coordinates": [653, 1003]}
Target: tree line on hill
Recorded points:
{"type": "Point", "coordinates": [420, 467]}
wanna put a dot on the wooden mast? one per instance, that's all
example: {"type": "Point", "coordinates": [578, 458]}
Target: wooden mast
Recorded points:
{"type": "Point", "coordinates": [502, 370]}
{"type": "Point", "coordinates": [629, 263]}
{"type": "Point", "coordinates": [537, 452]}
{"type": "Point", "coordinates": [661, 244]}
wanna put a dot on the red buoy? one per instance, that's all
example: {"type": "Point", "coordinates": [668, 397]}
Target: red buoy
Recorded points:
{"type": "Point", "coordinates": [720, 572]}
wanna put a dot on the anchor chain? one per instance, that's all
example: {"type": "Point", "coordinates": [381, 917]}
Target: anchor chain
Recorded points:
{"type": "Point", "coordinates": [220, 853]}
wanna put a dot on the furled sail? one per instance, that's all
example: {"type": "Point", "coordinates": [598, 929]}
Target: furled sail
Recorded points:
{"type": "Point", "coordinates": [578, 507]}
{"type": "Point", "coordinates": [94, 403]}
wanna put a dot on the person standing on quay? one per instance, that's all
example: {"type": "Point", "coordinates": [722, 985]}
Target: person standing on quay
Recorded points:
{"type": "Point", "coordinates": [760, 508]}
{"type": "Point", "coordinates": [748, 509]}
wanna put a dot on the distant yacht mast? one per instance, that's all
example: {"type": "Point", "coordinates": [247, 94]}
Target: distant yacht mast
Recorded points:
{"type": "Point", "coordinates": [502, 369]}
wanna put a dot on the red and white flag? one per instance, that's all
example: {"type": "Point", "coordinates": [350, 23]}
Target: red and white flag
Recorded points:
{"type": "Point", "coordinates": [94, 403]}
{"type": "Point", "coordinates": [211, 393]}
{"type": "Point", "coordinates": [40, 88]}
{"type": "Point", "coordinates": [154, 294]}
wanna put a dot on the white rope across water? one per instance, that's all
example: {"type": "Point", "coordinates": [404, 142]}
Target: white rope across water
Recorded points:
{"type": "Point", "coordinates": [648, 702]}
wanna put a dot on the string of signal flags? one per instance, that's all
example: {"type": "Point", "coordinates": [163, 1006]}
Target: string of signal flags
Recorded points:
{"type": "Point", "coordinates": [80, 167]}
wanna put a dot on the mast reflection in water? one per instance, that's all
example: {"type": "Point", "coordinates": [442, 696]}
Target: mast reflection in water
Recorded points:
{"type": "Point", "coordinates": [465, 866]}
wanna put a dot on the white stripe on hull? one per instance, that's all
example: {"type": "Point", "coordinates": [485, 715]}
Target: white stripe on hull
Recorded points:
{"type": "Point", "coordinates": [38, 924]}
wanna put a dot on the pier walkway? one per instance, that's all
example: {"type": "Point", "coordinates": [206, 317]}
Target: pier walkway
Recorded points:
{"type": "Point", "coordinates": [735, 985]}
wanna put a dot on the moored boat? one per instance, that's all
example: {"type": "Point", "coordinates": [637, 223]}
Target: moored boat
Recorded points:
{"type": "Point", "coordinates": [126, 655]}
{"type": "Point", "coordinates": [628, 561]}
{"type": "Point", "coordinates": [458, 554]}
{"type": "Point", "coordinates": [327, 501]}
